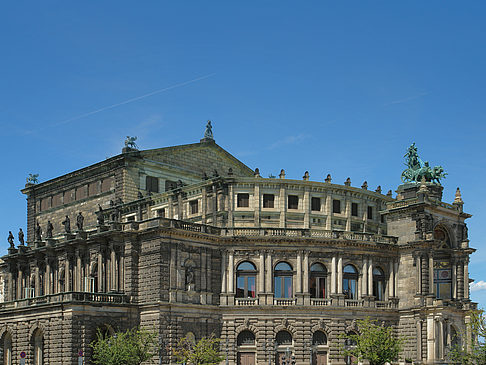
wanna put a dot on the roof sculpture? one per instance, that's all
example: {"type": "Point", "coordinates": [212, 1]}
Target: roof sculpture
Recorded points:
{"type": "Point", "coordinates": [418, 169]}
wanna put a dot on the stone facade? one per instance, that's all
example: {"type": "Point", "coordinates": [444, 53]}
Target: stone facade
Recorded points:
{"type": "Point", "coordinates": [189, 240]}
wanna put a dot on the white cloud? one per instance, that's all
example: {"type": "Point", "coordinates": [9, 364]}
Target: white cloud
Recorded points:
{"type": "Point", "coordinates": [480, 285]}
{"type": "Point", "coordinates": [288, 140]}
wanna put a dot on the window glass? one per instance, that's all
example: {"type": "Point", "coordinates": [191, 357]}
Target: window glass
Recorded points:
{"type": "Point", "coordinates": [243, 200]}
{"type": "Point", "coordinates": [283, 281]}
{"type": "Point", "coordinates": [370, 212]}
{"type": "Point", "coordinates": [283, 338]}
{"type": "Point", "coordinates": [316, 204]}
{"type": "Point", "coordinates": [194, 206]}
{"type": "Point", "coordinates": [350, 279]}
{"type": "Point", "coordinates": [378, 284]}
{"type": "Point", "coordinates": [354, 209]}
{"type": "Point", "coordinates": [336, 206]}
{"type": "Point", "coordinates": [317, 281]}
{"type": "Point", "coordinates": [293, 202]}
{"type": "Point", "coordinates": [152, 184]}
{"type": "Point", "coordinates": [246, 338]}
{"type": "Point", "coordinates": [319, 338]}
{"type": "Point", "coordinates": [245, 280]}
{"type": "Point", "coordinates": [268, 200]}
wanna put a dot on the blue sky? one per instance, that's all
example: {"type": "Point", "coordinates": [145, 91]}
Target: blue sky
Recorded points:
{"type": "Point", "coordinates": [328, 87]}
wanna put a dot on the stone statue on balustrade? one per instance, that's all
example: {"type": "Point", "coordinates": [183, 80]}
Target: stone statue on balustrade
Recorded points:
{"type": "Point", "coordinates": [67, 224]}
{"type": "Point", "coordinates": [10, 239]}
{"type": "Point", "coordinates": [99, 216]}
{"type": "Point", "coordinates": [80, 221]}
{"type": "Point", "coordinates": [49, 229]}
{"type": "Point", "coordinates": [21, 237]}
{"type": "Point", "coordinates": [38, 232]}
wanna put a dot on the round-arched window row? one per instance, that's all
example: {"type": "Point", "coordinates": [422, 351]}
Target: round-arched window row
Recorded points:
{"type": "Point", "coordinates": [246, 280]}
{"type": "Point", "coordinates": [283, 280]}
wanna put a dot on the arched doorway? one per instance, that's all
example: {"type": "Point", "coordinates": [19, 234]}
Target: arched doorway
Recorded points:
{"type": "Point", "coordinates": [246, 348]}
{"type": "Point", "coordinates": [284, 343]}
{"type": "Point", "coordinates": [320, 348]}
{"type": "Point", "coordinates": [38, 345]}
{"type": "Point", "coordinates": [6, 347]}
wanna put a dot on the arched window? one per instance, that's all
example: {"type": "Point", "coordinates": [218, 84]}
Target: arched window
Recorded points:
{"type": "Point", "coordinates": [7, 348]}
{"type": "Point", "coordinates": [440, 234]}
{"type": "Point", "coordinates": [317, 281]}
{"type": "Point", "coordinates": [442, 278]}
{"type": "Point", "coordinates": [283, 338]}
{"type": "Point", "coordinates": [319, 338]}
{"type": "Point", "coordinates": [245, 280]}
{"type": "Point", "coordinates": [350, 282]}
{"type": "Point", "coordinates": [245, 337]}
{"type": "Point", "coordinates": [38, 342]}
{"type": "Point", "coordinates": [62, 281]}
{"type": "Point", "coordinates": [378, 284]}
{"type": "Point", "coordinates": [283, 280]}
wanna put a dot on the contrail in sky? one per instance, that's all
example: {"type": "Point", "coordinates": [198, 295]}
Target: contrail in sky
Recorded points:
{"type": "Point", "coordinates": [133, 99]}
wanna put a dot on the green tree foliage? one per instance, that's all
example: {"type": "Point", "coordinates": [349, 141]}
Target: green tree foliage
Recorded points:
{"type": "Point", "coordinates": [205, 351]}
{"type": "Point", "coordinates": [124, 348]}
{"type": "Point", "coordinates": [375, 343]}
{"type": "Point", "coordinates": [474, 352]}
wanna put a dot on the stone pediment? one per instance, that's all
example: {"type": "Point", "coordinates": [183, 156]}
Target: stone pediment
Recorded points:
{"type": "Point", "coordinates": [199, 158]}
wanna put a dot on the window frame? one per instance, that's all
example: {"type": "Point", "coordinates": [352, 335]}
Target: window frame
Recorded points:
{"type": "Point", "coordinates": [266, 201]}
{"type": "Point", "coordinates": [241, 198]}
{"type": "Point", "coordinates": [354, 208]}
{"type": "Point", "coordinates": [293, 202]}
{"type": "Point", "coordinates": [316, 202]}
{"type": "Point", "coordinates": [336, 206]}
{"type": "Point", "coordinates": [349, 291]}
{"type": "Point", "coordinates": [152, 184]}
{"type": "Point", "coordinates": [281, 277]}
{"type": "Point", "coordinates": [194, 206]}
{"type": "Point", "coordinates": [320, 278]}
{"type": "Point", "coordinates": [246, 274]}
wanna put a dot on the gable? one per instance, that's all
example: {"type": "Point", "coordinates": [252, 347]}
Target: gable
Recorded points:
{"type": "Point", "coordinates": [199, 158]}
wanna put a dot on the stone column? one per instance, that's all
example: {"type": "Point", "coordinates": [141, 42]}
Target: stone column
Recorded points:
{"type": "Point", "coordinates": [391, 281]}
{"type": "Point", "coordinates": [180, 207]}
{"type": "Point", "coordinates": [430, 339]}
{"type": "Point", "coordinates": [19, 284]}
{"type": "Point", "coordinates": [419, 339]}
{"type": "Point", "coordinates": [261, 274]}
{"type": "Point", "coordinates": [328, 212]}
{"type": "Point", "coordinates": [418, 265]}
{"type": "Point", "coordinates": [170, 208]}
{"type": "Point", "coordinates": [348, 217]}
{"type": "Point", "coordinates": [431, 273]}
{"type": "Point", "coordinates": [203, 205]}
{"type": "Point", "coordinates": [231, 269]}
{"type": "Point", "coordinates": [208, 270]}
{"type": "Point", "coordinates": [454, 278]}
{"type": "Point", "coordinates": [395, 284]}
{"type": "Point", "coordinates": [77, 274]}
{"type": "Point", "coordinates": [340, 275]}
{"type": "Point", "coordinates": [67, 276]}
{"type": "Point", "coordinates": [439, 339]}
{"type": "Point", "coordinates": [9, 295]}
{"type": "Point", "coordinates": [466, 279]}
{"type": "Point", "coordinates": [283, 207]}
{"type": "Point", "coordinates": [333, 275]}
{"type": "Point", "coordinates": [307, 208]}
{"type": "Point", "coordinates": [460, 280]}
{"type": "Point", "coordinates": [122, 272]}
{"type": "Point", "coordinates": [370, 276]}
{"type": "Point", "coordinates": [231, 206]}
{"type": "Point", "coordinates": [306, 272]}
{"type": "Point", "coordinates": [37, 281]}
{"type": "Point", "coordinates": [268, 285]}
{"type": "Point", "coordinates": [215, 205]}
{"type": "Point", "coordinates": [298, 284]}
{"type": "Point", "coordinates": [47, 279]}
{"type": "Point", "coordinates": [364, 286]}
{"type": "Point", "coordinates": [224, 261]}
{"type": "Point", "coordinates": [100, 273]}
{"type": "Point", "coordinates": [256, 205]}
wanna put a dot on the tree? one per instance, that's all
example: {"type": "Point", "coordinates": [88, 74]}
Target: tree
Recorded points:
{"type": "Point", "coordinates": [473, 350]}
{"type": "Point", "coordinates": [205, 351]}
{"type": "Point", "coordinates": [375, 343]}
{"type": "Point", "coordinates": [124, 348]}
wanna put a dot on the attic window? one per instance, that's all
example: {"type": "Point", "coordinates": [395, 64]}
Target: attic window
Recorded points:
{"type": "Point", "coordinates": [152, 184]}
{"type": "Point", "coordinates": [194, 206]}
{"type": "Point", "coordinates": [293, 202]}
{"type": "Point", "coordinates": [268, 200]}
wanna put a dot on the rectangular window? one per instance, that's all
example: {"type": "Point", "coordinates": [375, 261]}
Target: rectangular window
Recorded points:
{"type": "Point", "coordinates": [268, 200]}
{"type": "Point", "coordinates": [152, 184]}
{"type": "Point", "coordinates": [194, 206]}
{"type": "Point", "coordinates": [336, 206]}
{"type": "Point", "coordinates": [293, 202]}
{"type": "Point", "coordinates": [161, 212]}
{"type": "Point", "coordinates": [382, 219]}
{"type": "Point", "coordinates": [370, 212]}
{"type": "Point", "coordinates": [316, 204]}
{"type": "Point", "coordinates": [243, 200]}
{"type": "Point", "coordinates": [354, 209]}
{"type": "Point", "coordinates": [106, 184]}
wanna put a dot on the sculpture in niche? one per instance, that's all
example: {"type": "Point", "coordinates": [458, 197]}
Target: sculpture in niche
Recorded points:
{"type": "Point", "coordinates": [21, 237]}
{"type": "Point", "coordinates": [67, 224]}
{"type": "Point", "coordinates": [80, 221]}
{"type": "Point", "coordinates": [49, 229]}
{"type": "Point", "coordinates": [190, 279]}
{"type": "Point", "coordinates": [10, 239]}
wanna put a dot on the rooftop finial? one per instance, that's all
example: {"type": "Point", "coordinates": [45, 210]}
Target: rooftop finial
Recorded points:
{"type": "Point", "coordinates": [130, 143]}
{"type": "Point", "coordinates": [365, 185]}
{"type": "Point", "coordinates": [328, 178]}
{"type": "Point", "coordinates": [348, 182]}
{"type": "Point", "coordinates": [208, 133]}
{"type": "Point", "coordinates": [458, 198]}
{"type": "Point", "coordinates": [306, 176]}
{"type": "Point", "coordinates": [257, 172]}
{"type": "Point", "coordinates": [378, 189]}
{"type": "Point", "coordinates": [282, 174]}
